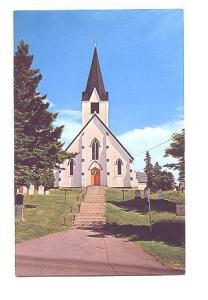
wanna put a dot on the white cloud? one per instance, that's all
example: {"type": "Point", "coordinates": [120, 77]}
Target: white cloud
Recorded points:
{"type": "Point", "coordinates": [71, 119]}
{"type": "Point", "coordinates": [70, 114]}
{"type": "Point", "coordinates": [51, 104]}
{"type": "Point", "coordinates": [138, 141]}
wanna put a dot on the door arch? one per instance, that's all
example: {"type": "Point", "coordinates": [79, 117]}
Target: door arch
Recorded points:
{"type": "Point", "coordinates": [95, 176]}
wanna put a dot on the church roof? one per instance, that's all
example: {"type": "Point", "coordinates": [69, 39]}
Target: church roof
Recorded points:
{"type": "Point", "coordinates": [95, 80]}
{"type": "Point", "coordinates": [96, 116]}
{"type": "Point", "coordinates": [142, 177]}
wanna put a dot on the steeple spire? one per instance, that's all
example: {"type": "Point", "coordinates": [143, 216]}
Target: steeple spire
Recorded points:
{"type": "Point", "coordinates": [95, 80]}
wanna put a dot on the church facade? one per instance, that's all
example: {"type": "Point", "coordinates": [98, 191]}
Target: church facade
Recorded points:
{"type": "Point", "coordinates": [101, 159]}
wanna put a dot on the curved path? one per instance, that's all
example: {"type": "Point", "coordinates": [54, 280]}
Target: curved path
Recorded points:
{"type": "Point", "coordinates": [84, 252]}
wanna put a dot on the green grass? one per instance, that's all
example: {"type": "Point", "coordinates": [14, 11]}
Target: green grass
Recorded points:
{"type": "Point", "coordinates": [47, 214]}
{"type": "Point", "coordinates": [130, 219]}
{"type": "Point", "coordinates": [173, 196]}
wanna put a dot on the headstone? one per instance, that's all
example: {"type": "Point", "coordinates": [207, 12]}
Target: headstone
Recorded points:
{"type": "Point", "coordinates": [146, 193]}
{"type": "Point", "coordinates": [20, 190]}
{"type": "Point", "coordinates": [19, 213]}
{"type": "Point", "coordinates": [19, 198]}
{"type": "Point", "coordinates": [24, 189]}
{"type": "Point", "coordinates": [47, 193]}
{"type": "Point", "coordinates": [180, 210]}
{"type": "Point", "coordinates": [160, 195]}
{"type": "Point", "coordinates": [31, 189]}
{"type": "Point", "coordinates": [137, 194]}
{"type": "Point", "coordinates": [41, 190]}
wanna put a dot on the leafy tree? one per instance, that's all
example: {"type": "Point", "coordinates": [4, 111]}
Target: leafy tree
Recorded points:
{"type": "Point", "coordinates": [162, 179]}
{"type": "Point", "coordinates": [38, 149]}
{"type": "Point", "coordinates": [149, 170]}
{"type": "Point", "coordinates": [177, 150]}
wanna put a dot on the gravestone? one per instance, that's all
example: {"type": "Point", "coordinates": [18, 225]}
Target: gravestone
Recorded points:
{"type": "Point", "coordinates": [160, 195]}
{"type": "Point", "coordinates": [137, 195]}
{"type": "Point", "coordinates": [20, 190]}
{"type": "Point", "coordinates": [41, 190]}
{"type": "Point", "coordinates": [146, 193]}
{"type": "Point", "coordinates": [19, 213]}
{"type": "Point", "coordinates": [47, 193]}
{"type": "Point", "coordinates": [180, 210]}
{"type": "Point", "coordinates": [19, 207]}
{"type": "Point", "coordinates": [24, 189]}
{"type": "Point", "coordinates": [31, 189]}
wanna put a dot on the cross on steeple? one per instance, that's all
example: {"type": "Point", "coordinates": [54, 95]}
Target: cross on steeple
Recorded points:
{"type": "Point", "coordinates": [94, 42]}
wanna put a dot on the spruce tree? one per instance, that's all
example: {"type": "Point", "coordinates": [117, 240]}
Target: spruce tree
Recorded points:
{"type": "Point", "coordinates": [162, 179]}
{"type": "Point", "coordinates": [38, 149]}
{"type": "Point", "coordinates": [149, 170]}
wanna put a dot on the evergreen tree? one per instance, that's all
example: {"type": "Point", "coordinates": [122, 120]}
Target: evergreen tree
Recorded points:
{"type": "Point", "coordinates": [162, 179]}
{"type": "Point", "coordinates": [149, 170]}
{"type": "Point", "coordinates": [38, 149]}
{"type": "Point", "coordinates": [177, 150]}
{"type": "Point", "coordinates": [157, 176]}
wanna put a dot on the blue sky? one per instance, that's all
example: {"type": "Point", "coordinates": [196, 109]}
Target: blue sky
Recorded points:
{"type": "Point", "coordinates": [141, 57]}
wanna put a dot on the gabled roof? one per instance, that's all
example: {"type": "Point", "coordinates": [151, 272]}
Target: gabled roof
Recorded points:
{"type": "Point", "coordinates": [95, 80]}
{"type": "Point", "coordinates": [142, 177]}
{"type": "Point", "coordinates": [108, 130]}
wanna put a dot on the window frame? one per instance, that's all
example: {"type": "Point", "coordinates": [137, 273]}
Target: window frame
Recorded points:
{"type": "Point", "coordinates": [96, 108]}
{"type": "Point", "coordinates": [95, 149]}
{"type": "Point", "coordinates": [119, 164]}
{"type": "Point", "coordinates": [71, 167]}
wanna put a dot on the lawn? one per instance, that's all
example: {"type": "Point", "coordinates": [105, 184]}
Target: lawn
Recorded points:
{"type": "Point", "coordinates": [130, 219]}
{"type": "Point", "coordinates": [173, 196]}
{"type": "Point", "coordinates": [48, 214]}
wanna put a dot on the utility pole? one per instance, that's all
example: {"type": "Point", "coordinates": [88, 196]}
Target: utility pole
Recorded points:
{"type": "Point", "coordinates": [150, 216]}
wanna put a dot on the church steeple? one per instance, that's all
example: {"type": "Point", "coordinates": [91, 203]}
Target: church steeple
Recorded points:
{"type": "Point", "coordinates": [95, 80]}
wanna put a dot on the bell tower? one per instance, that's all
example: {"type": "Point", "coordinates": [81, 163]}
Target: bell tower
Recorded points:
{"type": "Point", "coordinates": [95, 98]}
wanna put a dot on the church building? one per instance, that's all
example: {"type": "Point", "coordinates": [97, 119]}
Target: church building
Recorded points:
{"type": "Point", "coordinates": [101, 158]}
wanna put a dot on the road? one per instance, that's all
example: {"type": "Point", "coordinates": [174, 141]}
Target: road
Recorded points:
{"type": "Point", "coordinates": [84, 252]}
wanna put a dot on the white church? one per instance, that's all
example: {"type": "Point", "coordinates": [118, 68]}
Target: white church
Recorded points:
{"type": "Point", "coordinates": [101, 158]}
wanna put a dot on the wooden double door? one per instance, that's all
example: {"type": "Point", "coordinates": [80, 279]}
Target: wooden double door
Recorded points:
{"type": "Point", "coordinates": [95, 176]}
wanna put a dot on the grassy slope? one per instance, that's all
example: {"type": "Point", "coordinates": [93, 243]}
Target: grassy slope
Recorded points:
{"type": "Point", "coordinates": [172, 196]}
{"type": "Point", "coordinates": [131, 219]}
{"type": "Point", "coordinates": [50, 214]}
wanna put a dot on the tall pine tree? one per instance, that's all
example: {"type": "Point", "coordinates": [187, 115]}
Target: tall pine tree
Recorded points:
{"type": "Point", "coordinates": [149, 170]}
{"type": "Point", "coordinates": [38, 149]}
{"type": "Point", "coordinates": [162, 179]}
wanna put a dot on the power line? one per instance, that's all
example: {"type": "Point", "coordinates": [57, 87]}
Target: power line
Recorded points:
{"type": "Point", "coordinates": [157, 145]}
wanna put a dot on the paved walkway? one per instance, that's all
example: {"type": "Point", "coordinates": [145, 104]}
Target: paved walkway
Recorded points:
{"type": "Point", "coordinates": [84, 252]}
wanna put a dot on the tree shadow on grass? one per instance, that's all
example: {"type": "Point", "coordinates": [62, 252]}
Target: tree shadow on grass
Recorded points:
{"type": "Point", "coordinates": [142, 205]}
{"type": "Point", "coordinates": [172, 233]}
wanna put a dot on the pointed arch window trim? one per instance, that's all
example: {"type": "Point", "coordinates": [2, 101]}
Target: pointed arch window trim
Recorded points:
{"type": "Point", "coordinates": [119, 164]}
{"type": "Point", "coordinates": [95, 140]}
{"type": "Point", "coordinates": [71, 165]}
{"type": "Point", "coordinates": [95, 144]}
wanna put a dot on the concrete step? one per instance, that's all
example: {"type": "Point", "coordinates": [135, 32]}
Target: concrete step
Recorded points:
{"type": "Point", "coordinates": [97, 211]}
{"type": "Point", "coordinates": [90, 210]}
{"type": "Point", "coordinates": [89, 219]}
{"type": "Point", "coordinates": [92, 204]}
{"type": "Point", "coordinates": [90, 226]}
{"type": "Point", "coordinates": [94, 199]}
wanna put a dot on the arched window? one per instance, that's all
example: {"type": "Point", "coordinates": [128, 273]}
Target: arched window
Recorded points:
{"type": "Point", "coordinates": [119, 166]}
{"type": "Point", "coordinates": [71, 167]}
{"type": "Point", "coordinates": [95, 149]}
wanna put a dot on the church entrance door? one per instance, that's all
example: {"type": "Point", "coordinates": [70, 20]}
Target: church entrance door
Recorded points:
{"type": "Point", "coordinates": [95, 176]}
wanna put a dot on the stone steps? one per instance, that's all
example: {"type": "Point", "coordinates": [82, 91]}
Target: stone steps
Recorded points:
{"type": "Point", "coordinates": [92, 209]}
